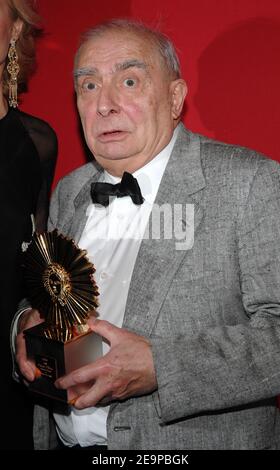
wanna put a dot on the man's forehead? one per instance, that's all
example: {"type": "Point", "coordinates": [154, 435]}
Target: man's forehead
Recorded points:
{"type": "Point", "coordinates": [119, 45]}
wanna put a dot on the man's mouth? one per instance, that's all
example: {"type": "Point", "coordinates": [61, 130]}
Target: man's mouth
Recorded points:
{"type": "Point", "coordinates": [113, 134]}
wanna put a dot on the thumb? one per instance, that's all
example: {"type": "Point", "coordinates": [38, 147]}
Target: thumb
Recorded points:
{"type": "Point", "coordinates": [104, 329]}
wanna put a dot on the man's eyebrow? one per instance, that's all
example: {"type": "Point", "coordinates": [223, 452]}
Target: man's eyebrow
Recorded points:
{"type": "Point", "coordinates": [85, 71]}
{"type": "Point", "coordinates": [131, 63]}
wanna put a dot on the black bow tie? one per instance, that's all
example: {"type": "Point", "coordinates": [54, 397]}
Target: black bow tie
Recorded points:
{"type": "Point", "coordinates": [101, 192]}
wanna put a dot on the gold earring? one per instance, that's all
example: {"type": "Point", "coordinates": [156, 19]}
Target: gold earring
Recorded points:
{"type": "Point", "coordinates": [13, 69]}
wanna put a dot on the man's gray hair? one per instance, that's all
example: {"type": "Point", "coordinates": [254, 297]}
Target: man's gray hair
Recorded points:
{"type": "Point", "coordinates": [161, 42]}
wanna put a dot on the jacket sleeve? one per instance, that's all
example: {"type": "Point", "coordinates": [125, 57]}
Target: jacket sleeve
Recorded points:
{"type": "Point", "coordinates": [233, 365]}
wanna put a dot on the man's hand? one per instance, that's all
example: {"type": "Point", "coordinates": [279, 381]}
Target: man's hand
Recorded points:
{"type": "Point", "coordinates": [27, 320]}
{"type": "Point", "coordinates": [126, 370]}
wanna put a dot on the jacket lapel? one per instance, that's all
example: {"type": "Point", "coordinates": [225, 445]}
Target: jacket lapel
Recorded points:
{"type": "Point", "coordinates": [81, 203]}
{"type": "Point", "coordinates": [158, 260]}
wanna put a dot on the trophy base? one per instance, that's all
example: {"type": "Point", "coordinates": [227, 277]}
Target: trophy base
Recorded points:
{"type": "Point", "coordinates": [54, 359]}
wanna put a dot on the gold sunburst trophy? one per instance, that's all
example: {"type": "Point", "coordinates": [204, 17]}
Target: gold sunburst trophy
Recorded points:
{"type": "Point", "coordinates": [60, 285]}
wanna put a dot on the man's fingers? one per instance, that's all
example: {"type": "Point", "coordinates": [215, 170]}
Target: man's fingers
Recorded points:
{"type": "Point", "coordinates": [80, 376]}
{"type": "Point", "coordinates": [92, 397]}
{"type": "Point", "coordinates": [20, 346]}
{"type": "Point", "coordinates": [28, 370]}
{"type": "Point", "coordinates": [28, 319]}
{"type": "Point", "coordinates": [26, 367]}
{"type": "Point", "coordinates": [104, 329]}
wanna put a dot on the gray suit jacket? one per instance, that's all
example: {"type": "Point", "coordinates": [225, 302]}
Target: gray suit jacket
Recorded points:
{"type": "Point", "coordinates": [212, 313]}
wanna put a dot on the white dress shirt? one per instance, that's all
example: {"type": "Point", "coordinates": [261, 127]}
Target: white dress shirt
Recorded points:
{"type": "Point", "coordinates": [112, 237]}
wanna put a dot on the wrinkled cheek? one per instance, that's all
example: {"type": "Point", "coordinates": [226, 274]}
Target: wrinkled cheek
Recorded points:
{"type": "Point", "coordinates": [135, 111]}
{"type": "Point", "coordinates": [87, 120]}
{"type": "Point", "coordinates": [88, 133]}
{"type": "Point", "coordinates": [86, 109]}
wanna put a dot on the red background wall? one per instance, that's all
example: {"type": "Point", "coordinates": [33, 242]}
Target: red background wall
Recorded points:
{"type": "Point", "coordinates": [229, 51]}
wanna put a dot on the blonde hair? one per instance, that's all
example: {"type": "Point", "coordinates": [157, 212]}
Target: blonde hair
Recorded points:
{"type": "Point", "coordinates": [25, 46]}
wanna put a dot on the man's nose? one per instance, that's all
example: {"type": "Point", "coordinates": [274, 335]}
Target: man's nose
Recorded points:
{"type": "Point", "coordinates": [107, 101]}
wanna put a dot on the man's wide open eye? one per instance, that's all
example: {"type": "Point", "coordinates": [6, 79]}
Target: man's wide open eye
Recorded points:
{"type": "Point", "coordinates": [89, 86]}
{"type": "Point", "coordinates": [129, 82]}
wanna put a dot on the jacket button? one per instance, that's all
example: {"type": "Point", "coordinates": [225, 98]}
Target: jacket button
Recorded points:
{"type": "Point", "coordinates": [122, 428]}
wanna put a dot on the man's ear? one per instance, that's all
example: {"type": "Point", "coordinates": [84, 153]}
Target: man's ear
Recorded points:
{"type": "Point", "coordinates": [16, 30]}
{"type": "Point", "coordinates": [178, 92]}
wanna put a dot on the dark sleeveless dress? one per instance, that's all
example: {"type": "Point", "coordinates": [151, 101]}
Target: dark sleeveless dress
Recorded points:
{"type": "Point", "coordinates": [28, 150]}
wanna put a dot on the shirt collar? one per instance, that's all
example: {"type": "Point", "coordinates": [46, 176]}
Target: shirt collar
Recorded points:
{"type": "Point", "coordinates": [150, 175]}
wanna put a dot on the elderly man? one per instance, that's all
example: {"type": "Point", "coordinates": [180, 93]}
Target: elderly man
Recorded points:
{"type": "Point", "coordinates": [192, 332]}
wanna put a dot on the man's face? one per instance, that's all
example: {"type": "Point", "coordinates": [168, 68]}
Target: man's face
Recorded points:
{"type": "Point", "coordinates": [125, 100]}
